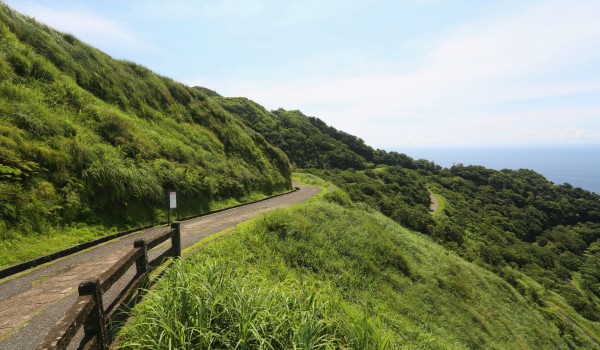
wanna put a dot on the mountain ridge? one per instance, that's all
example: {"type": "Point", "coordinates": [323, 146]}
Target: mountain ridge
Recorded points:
{"type": "Point", "coordinates": [90, 143]}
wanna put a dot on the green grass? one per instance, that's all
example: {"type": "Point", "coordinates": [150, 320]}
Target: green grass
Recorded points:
{"type": "Point", "coordinates": [552, 302]}
{"type": "Point", "coordinates": [20, 248]}
{"type": "Point", "coordinates": [88, 139]}
{"type": "Point", "coordinates": [364, 281]}
{"type": "Point", "coordinates": [224, 307]}
{"type": "Point", "coordinates": [26, 247]}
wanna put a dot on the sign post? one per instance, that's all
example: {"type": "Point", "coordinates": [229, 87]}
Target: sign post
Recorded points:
{"type": "Point", "coordinates": [172, 204]}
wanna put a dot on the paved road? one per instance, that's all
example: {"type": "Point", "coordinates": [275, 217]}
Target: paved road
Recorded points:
{"type": "Point", "coordinates": [31, 304]}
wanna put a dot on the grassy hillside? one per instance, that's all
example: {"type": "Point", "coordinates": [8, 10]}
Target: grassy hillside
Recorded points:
{"type": "Point", "coordinates": [296, 135]}
{"type": "Point", "coordinates": [330, 274]}
{"type": "Point", "coordinates": [505, 221]}
{"type": "Point", "coordinates": [541, 238]}
{"type": "Point", "coordinates": [310, 143]}
{"type": "Point", "coordinates": [90, 144]}
{"type": "Point", "coordinates": [88, 139]}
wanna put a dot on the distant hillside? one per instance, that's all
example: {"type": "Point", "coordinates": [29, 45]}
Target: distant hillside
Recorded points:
{"type": "Point", "coordinates": [86, 138]}
{"type": "Point", "coordinates": [510, 222]}
{"type": "Point", "coordinates": [310, 143]}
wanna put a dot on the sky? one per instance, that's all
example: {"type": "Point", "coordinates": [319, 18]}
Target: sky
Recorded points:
{"type": "Point", "coordinates": [395, 73]}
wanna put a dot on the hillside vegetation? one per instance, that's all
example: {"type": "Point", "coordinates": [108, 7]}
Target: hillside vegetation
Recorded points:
{"type": "Point", "coordinates": [89, 139]}
{"type": "Point", "coordinates": [309, 142]}
{"type": "Point", "coordinates": [331, 274]}
{"type": "Point", "coordinates": [542, 238]}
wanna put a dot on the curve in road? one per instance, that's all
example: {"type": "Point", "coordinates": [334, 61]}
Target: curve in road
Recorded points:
{"type": "Point", "coordinates": [31, 304]}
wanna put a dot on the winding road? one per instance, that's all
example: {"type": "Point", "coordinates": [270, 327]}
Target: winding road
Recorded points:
{"type": "Point", "coordinates": [31, 304]}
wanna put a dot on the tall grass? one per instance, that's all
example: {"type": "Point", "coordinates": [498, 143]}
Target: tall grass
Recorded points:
{"type": "Point", "coordinates": [222, 306]}
{"type": "Point", "coordinates": [364, 281]}
{"type": "Point", "coordinates": [88, 139]}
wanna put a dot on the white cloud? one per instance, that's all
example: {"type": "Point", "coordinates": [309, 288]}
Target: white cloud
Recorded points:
{"type": "Point", "coordinates": [557, 135]}
{"type": "Point", "coordinates": [198, 9]}
{"type": "Point", "coordinates": [506, 59]}
{"type": "Point", "coordinates": [546, 35]}
{"type": "Point", "coordinates": [104, 33]}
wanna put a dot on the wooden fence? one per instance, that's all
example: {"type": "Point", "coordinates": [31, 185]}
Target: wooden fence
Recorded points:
{"type": "Point", "coordinates": [99, 324]}
{"type": "Point", "coordinates": [24, 266]}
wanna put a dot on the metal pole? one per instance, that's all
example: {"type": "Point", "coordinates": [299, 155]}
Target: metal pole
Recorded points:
{"type": "Point", "coordinates": [168, 206]}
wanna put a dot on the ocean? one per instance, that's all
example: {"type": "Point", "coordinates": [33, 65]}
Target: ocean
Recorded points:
{"type": "Point", "coordinates": [578, 165]}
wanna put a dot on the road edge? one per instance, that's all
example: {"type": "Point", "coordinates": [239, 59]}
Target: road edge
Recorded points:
{"type": "Point", "coordinates": [30, 264]}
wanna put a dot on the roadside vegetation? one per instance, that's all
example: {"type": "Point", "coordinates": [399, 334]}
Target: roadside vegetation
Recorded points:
{"type": "Point", "coordinates": [88, 139]}
{"type": "Point", "coordinates": [331, 274]}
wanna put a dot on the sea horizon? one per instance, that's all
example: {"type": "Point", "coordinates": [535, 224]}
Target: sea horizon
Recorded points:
{"type": "Point", "coordinates": [576, 164]}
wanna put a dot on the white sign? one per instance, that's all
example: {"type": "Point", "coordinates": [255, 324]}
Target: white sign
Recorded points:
{"type": "Point", "coordinates": [172, 200]}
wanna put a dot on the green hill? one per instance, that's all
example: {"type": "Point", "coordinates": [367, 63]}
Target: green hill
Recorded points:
{"type": "Point", "coordinates": [89, 139]}
{"type": "Point", "coordinates": [310, 143]}
{"type": "Point", "coordinates": [540, 237]}
{"type": "Point", "coordinates": [297, 136]}
{"type": "Point", "coordinates": [330, 274]}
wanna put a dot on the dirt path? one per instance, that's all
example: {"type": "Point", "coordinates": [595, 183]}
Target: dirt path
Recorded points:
{"type": "Point", "coordinates": [31, 304]}
{"type": "Point", "coordinates": [433, 207]}
{"type": "Point", "coordinates": [574, 323]}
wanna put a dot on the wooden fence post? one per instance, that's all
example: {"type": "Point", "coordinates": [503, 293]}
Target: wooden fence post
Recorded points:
{"type": "Point", "coordinates": [141, 264]}
{"type": "Point", "coordinates": [95, 324]}
{"type": "Point", "coordinates": [176, 239]}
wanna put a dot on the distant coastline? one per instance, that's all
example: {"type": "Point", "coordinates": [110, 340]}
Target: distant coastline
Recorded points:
{"type": "Point", "coordinates": [578, 165]}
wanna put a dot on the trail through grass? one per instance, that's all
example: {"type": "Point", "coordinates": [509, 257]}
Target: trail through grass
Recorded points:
{"type": "Point", "coordinates": [329, 274]}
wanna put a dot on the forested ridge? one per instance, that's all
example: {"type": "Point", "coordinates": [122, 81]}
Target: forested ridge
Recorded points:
{"type": "Point", "coordinates": [311, 143]}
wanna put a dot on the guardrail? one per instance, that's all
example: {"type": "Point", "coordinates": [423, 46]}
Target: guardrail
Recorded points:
{"type": "Point", "coordinates": [99, 324]}
{"type": "Point", "coordinates": [24, 266]}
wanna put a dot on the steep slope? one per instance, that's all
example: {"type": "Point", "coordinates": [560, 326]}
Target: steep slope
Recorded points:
{"type": "Point", "coordinates": [310, 143]}
{"type": "Point", "coordinates": [296, 135]}
{"type": "Point", "coordinates": [86, 138]}
{"type": "Point", "coordinates": [540, 237]}
{"type": "Point", "coordinates": [333, 274]}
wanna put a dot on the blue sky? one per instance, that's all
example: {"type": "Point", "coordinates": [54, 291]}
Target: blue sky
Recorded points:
{"type": "Point", "coordinates": [395, 73]}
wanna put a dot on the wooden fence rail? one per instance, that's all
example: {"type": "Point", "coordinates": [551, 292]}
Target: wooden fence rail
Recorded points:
{"type": "Point", "coordinates": [26, 265]}
{"type": "Point", "coordinates": [88, 311]}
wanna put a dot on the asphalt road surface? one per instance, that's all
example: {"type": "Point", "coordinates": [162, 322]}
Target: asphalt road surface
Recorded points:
{"type": "Point", "coordinates": [31, 304]}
